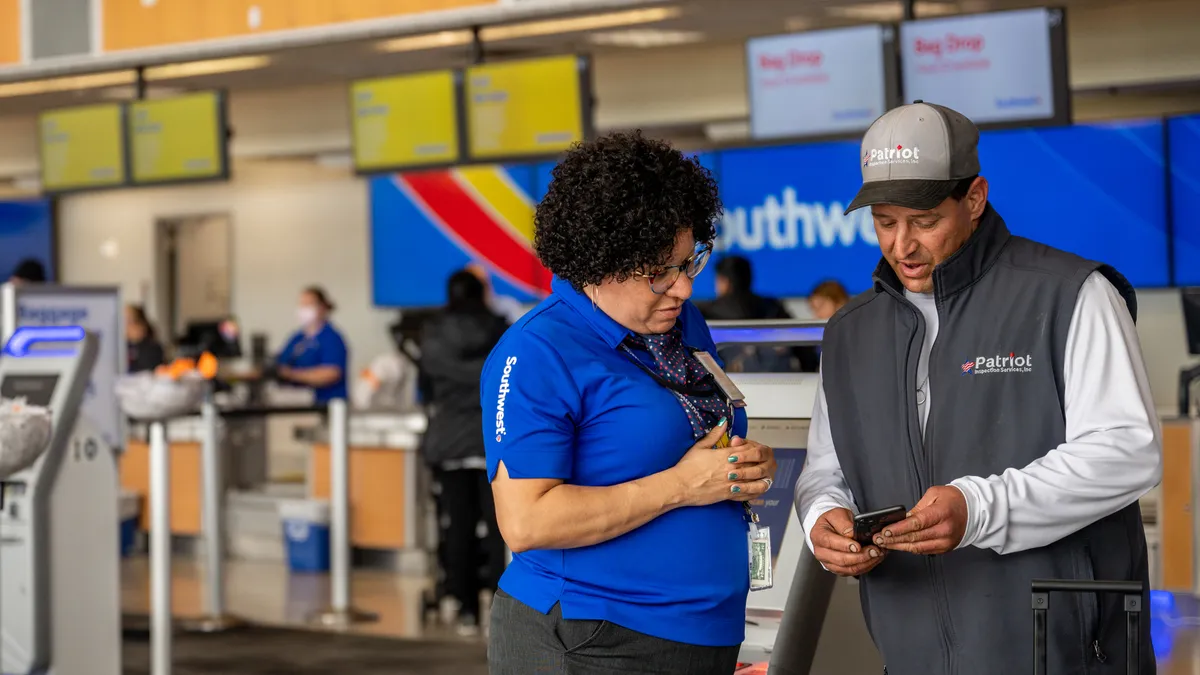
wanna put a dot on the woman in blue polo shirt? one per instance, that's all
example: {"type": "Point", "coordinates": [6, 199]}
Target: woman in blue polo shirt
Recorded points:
{"type": "Point", "coordinates": [316, 355]}
{"type": "Point", "coordinates": [628, 527]}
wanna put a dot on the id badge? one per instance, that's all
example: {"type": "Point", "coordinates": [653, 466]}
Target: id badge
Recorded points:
{"type": "Point", "coordinates": [761, 577]}
{"type": "Point", "coordinates": [726, 385]}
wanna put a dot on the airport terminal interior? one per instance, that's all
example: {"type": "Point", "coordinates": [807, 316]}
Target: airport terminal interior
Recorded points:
{"type": "Point", "coordinates": [186, 187]}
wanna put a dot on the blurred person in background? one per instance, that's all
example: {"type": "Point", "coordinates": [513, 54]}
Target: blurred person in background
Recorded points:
{"type": "Point", "coordinates": [628, 529]}
{"type": "Point", "coordinates": [29, 271]}
{"type": "Point", "coordinates": [736, 301]}
{"type": "Point", "coordinates": [143, 350]}
{"type": "Point", "coordinates": [503, 305]}
{"type": "Point", "coordinates": [827, 298]}
{"type": "Point", "coordinates": [454, 345]}
{"type": "Point", "coordinates": [316, 355]}
{"type": "Point", "coordinates": [735, 298]}
{"type": "Point", "coordinates": [823, 301]}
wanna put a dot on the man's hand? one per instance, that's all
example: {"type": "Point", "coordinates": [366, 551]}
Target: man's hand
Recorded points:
{"type": "Point", "coordinates": [935, 525]}
{"type": "Point", "coordinates": [834, 545]}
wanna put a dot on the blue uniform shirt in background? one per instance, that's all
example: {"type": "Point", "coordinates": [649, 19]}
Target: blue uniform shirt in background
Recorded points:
{"type": "Point", "coordinates": [326, 348]}
{"type": "Point", "coordinates": [561, 401]}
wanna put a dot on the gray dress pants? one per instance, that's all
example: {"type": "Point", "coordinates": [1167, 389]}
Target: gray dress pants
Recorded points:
{"type": "Point", "coordinates": [526, 642]}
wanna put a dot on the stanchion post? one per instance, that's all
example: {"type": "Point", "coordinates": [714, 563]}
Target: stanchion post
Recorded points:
{"type": "Point", "coordinates": [340, 613]}
{"type": "Point", "coordinates": [215, 619]}
{"type": "Point", "coordinates": [160, 550]}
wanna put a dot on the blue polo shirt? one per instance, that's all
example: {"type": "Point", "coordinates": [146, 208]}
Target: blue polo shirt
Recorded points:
{"type": "Point", "coordinates": [326, 348]}
{"type": "Point", "coordinates": [560, 400]}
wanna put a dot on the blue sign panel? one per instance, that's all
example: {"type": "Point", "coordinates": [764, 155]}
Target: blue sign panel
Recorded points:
{"type": "Point", "coordinates": [26, 232]}
{"type": "Point", "coordinates": [1185, 193]}
{"type": "Point", "coordinates": [1095, 190]}
{"type": "Point", "coordinates": [783, 211]}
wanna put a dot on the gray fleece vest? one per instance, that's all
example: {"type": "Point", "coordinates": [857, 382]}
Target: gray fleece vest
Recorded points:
{"type": "Point", "coordinates": [996, 376]}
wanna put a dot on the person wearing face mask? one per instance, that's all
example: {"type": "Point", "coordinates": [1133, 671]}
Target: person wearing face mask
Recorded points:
{"type": "Point", "coordinates": [619, 468]}
{"type": "Point", "coordinates": [316, 355]}
{"type": "Point", "coordinates": [994, 388]}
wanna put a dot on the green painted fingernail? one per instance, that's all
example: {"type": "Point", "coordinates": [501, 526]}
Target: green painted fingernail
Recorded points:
{"type": "Point", "coordinates": [735, 488]}
{"type": "Point", "coordinates": [733, 476]}
{"type": "Point", "coordinates": [722, 422]}
{"type": "Point", "coordinates": [733, 459]}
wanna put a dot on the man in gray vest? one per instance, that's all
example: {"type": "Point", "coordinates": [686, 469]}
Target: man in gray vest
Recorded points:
{"type": "Point", "coordinates": [995, 388]}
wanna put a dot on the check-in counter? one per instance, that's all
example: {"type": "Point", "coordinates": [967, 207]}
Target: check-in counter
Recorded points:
{"type": "Point", "coordinates": [385, 487]}
{"type": "Point", "coordinates": [243, 443]}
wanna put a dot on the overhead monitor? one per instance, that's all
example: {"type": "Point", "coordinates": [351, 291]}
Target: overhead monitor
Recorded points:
{"type": "Point", "coordinates": [821, 83]}
{"type": "Point", "coordinates": [405, 121]}
{"type": "Point", "coordinates": [179, 139]}
{"type": "Point", "coordinates": [526, 109]}
{"type": "Point", "coordinates": [82, 148]}
{"type": "Point", "coordinates": [1002, 68]}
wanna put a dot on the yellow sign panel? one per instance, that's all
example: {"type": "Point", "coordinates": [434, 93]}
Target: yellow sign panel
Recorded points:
{"type": "Point", "coordinates": [175, 139]}
{"type": "Point", "coordinates": [405, 121]}
{"type": "Point", "coordinates": [82, 147]}
{"type": "Point", "coordinates": [524, 108]}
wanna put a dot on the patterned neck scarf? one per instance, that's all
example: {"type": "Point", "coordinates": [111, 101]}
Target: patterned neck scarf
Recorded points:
{"type": "Point", "coordinates": [674, 363]}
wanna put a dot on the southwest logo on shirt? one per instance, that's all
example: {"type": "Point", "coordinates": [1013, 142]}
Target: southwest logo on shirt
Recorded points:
{"type": "Point", "coordinates": [503, 394]}
{"type": "Point", "coordinates": [987, 365]}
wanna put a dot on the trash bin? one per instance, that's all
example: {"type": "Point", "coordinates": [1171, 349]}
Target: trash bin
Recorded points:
{"type": "Point", "coordinates": [306, 534]}
{"type": "Point", "coordinates": [130, 511]}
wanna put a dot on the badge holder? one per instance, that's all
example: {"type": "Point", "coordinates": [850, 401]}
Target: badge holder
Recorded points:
{"type": "Point", "coordinates": [761, 574]}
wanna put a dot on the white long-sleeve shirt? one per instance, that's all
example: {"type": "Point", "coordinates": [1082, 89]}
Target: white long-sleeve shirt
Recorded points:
{"type": "Point", "coordinates": [1111, 457]}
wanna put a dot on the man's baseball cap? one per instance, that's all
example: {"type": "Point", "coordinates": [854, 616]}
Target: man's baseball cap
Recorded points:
{"type": "Point", "coordinates": [914, 155]}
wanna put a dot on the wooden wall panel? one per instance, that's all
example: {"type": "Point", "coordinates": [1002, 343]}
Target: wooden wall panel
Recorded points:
{"type": "Point", "coordinates": [129, 24]}
{"type": "Point", "coordinates": [1175, 517]}
{"type": "Point", "coordinates": [10, 31]}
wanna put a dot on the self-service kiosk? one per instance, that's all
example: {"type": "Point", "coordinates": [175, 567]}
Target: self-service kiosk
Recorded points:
{"type": "Point", "coordinates": [810, 622]}
{"type": "Point", "coordinates": [59, 576]}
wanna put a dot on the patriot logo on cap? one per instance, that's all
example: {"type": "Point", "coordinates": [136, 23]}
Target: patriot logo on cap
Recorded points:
{"type": "Point", "coordinates": [914, 155]}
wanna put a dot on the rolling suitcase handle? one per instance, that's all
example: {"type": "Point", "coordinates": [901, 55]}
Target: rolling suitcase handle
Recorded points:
{"type": "Point", "coordinates": [1132, 590]}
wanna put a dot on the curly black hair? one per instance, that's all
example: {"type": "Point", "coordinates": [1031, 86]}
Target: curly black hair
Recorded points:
{"type": "Point", "coordinates": [616, 205]}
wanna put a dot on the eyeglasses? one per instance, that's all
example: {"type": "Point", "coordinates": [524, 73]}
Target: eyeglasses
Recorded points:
{"type": "Point", "coordinates": [662, 280]}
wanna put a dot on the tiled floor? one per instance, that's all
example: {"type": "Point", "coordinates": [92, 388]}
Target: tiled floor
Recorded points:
{"type": "Point", "coordinates": [266, 593]}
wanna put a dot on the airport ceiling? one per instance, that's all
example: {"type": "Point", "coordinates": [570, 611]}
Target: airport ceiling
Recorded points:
{"type": "Point", "coordinates": [659, 24]}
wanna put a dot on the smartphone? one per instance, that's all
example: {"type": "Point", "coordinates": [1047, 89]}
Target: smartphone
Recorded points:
{"type": "Point", "coordinates": [867, 525]}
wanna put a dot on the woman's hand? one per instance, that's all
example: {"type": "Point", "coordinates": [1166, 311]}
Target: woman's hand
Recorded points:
{"type": "Point", "coordinates": [709, 475]}
{"type": "Point", "coordinates": [754, 464]}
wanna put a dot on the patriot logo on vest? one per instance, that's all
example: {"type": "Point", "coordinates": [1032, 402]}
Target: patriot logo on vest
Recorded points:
{"type": "Point", "coordinates": [988, 365]}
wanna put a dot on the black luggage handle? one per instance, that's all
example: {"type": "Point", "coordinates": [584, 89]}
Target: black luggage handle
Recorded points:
{"type": "Point", "coordinates": [1132, 590]}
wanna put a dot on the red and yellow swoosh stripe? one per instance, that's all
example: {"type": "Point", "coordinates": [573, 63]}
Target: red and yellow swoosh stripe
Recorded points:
{"type": "Point", "coordinates": [483, 212]}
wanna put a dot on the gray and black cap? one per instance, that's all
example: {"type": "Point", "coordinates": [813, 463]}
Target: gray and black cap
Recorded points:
{"type": "Point", "coordinates": [914, 155]}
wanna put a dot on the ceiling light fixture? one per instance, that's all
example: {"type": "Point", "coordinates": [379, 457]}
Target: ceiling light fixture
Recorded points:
{"type": "Point", "coordinates": [73, 83]}
{"type": "Point", "coordinates": [446, 38]}
{"type": "Point", "coordinates": [577, 24]}
{"type": "Point", "coordinates": [891, 11]}
{"type": "Point", "coordinates": [645, 38]}
{"type": "Point", "coordinates": [212, 67]}
{"type": "Point", "coordinates": [528, 29]}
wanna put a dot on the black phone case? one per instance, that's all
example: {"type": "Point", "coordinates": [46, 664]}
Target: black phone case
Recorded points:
{"type": "Point", "coordinates": [1132, 590]}
{"type": "Point", "coordinates": [875, 522]}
